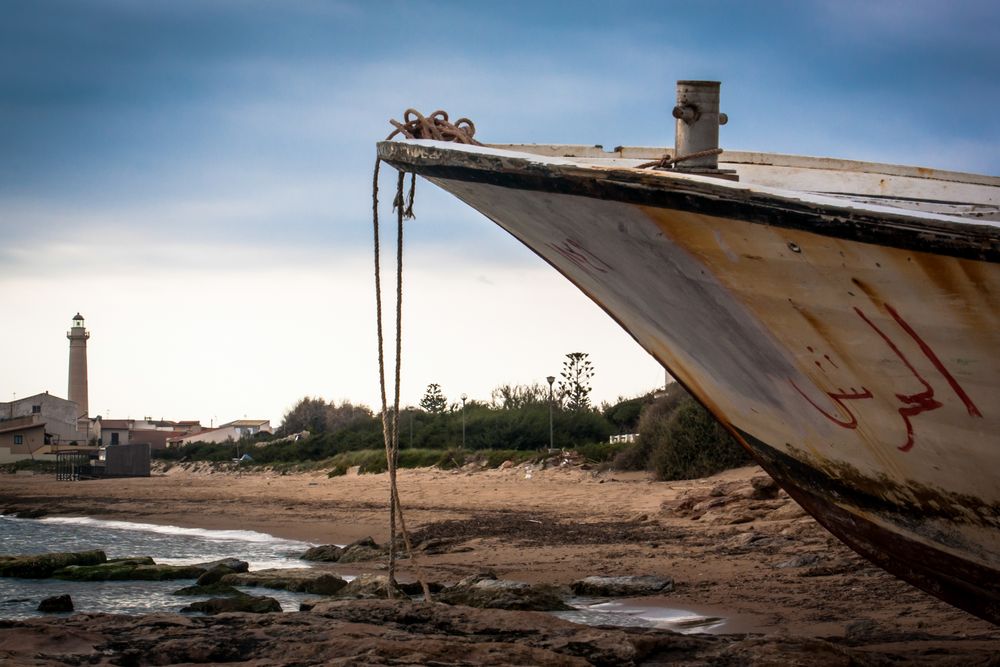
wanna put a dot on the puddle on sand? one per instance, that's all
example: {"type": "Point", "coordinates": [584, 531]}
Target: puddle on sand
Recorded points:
{"type": "Point", "coordinates": [640, 612]}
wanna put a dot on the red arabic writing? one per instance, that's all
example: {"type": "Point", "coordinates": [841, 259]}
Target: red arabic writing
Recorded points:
{"type": "Point", "coordinates": [913, 404]}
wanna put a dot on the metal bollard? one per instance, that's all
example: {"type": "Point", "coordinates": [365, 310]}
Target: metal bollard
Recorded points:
{"type": "Point", "coordinates": [698, 121]}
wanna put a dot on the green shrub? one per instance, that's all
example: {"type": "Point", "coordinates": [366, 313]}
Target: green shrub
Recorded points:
{"type": "Point", "coordinates": [679, 439]}
{"type": "Point", "coordinates": [690, 444]}
{"type": "Point", "coordinates": [370, 461]}
{"type": "Point", "coordinates": [624, 415]}
{"type": "Point", "coordinates": [652, 423]}
{"type": "Point", "coordinates": [419, 458]}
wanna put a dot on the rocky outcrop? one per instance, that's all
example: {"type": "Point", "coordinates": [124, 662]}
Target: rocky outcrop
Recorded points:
{"type": "Point", "coordinates": [625, 586]}
{"type": "Point", "coordinates": [325, 553]}
{"type": "Point", "coordinates": [42, 566]}
{"type": "Point", "coordinates": [299, 580]}
{"type": "Point", "coordinates": [383, 632]}
{"type": "Point", "coordinates": [764, 488]}
{"type": "Point", "coordinates": [252, 604]}
{"type": "Point", "coordinates": [733, 503]}
{"type": "Point", "coordinates": [139, 569]}
{"type": "Point", "coordinates": [219, 569]}
{"type": "Point", "coordinates": [214, 576]}
{"type": "Point", "coordinates": [234, 564]}
{"type": "Point", "coordinates": [371, 586]}
{"type": "Point", "coordinates": [485, 591]}
{"type": "Point", "coordinates": [144, 568]}
{"type": "Point", "coordinates": [57, 604]}
{"type": "Point", "coordinates": [363, 550]}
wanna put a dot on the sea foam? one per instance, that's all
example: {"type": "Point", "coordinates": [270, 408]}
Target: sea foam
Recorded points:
{"type": "Point", "coordinates": [203, 533]}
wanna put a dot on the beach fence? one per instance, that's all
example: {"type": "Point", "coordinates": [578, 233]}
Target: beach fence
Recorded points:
{"type": "Point", "coordinates": [75, 464]}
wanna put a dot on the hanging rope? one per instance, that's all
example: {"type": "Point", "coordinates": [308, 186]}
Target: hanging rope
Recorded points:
{"type": "Point", "coordinates": [666, 161]}
{"type": "Point", "coordinates": [414, 126]}
{"type": "Point", "coordinates": [381, 374]}
{"type": "Point", "coordinates": [390, 420]}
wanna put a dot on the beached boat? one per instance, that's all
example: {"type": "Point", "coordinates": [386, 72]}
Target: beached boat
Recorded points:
{"type": "Point", "coordinates": [840, 318]}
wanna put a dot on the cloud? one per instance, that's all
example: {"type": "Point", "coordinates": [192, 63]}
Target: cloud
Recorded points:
{"type": "Point", "coordinates": [196, 177]}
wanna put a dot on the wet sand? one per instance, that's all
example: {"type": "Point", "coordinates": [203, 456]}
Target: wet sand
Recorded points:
{"type": "Point", "coordinates": [733, 550]}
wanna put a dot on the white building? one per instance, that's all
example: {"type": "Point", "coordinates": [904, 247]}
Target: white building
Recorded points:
{"type": "Point", "coordinates": [231, 432]}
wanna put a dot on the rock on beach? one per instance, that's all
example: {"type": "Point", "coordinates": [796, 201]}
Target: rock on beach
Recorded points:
{"type": "Point", "coordinates": [42, 566]}
{"type": "Point", "coordinates": [485, 591]}
{"type": "Point", "coordinates": [252, 604]}
{"type": "Point", "coordinates": [144, 568]}
{"type": "Point", "coordinates": [128, 569]}
{"type": "Point", "coordinates": [625, 586]}
{"type": "Point", "coordinates": [371, 586]}
{"type": "Point", "coordinates": [299, 580]}
{"type": "Point", "coordinates": [362, 550]}
{"type": "Point", "coordinates": [56, 604]}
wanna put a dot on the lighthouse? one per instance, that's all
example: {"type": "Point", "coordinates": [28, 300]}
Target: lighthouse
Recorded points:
{"type": "Point", "coordinates": [77, 393]}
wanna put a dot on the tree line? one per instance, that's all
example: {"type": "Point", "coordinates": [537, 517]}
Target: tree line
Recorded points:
{"type": "Point", "coordinates": [677, 437]}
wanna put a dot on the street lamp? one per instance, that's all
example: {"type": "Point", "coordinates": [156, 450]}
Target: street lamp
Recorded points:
{"type": "Point", "coordinates": [550, 379]}
{"type": "Point", "coordinates": [464, 396]}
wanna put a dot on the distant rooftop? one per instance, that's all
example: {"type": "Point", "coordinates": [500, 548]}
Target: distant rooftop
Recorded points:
{"type": "Point", "coordinates": [247, 422]}
{"type": "Point", "coordinates": [116, 423]}
{"type": "Point", "coordinates": [27, 398]}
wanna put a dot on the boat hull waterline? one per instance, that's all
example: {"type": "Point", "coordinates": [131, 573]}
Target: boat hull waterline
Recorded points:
{"type": "Point", "coordinates": [852, 351]}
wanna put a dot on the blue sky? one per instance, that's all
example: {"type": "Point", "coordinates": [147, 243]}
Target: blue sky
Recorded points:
{"type": "Point", "coordinates": [194, 176]}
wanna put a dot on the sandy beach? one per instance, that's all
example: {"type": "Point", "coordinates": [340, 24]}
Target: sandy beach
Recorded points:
{"type": "Point", "coordinates": [735, 547]}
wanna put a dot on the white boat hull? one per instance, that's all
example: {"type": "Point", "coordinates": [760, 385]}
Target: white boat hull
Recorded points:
{"type": "Point", "coordinates": [859, 369]}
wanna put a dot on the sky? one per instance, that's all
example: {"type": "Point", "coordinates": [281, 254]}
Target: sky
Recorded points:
{"type": "Point", "coordinates": [194, 176]}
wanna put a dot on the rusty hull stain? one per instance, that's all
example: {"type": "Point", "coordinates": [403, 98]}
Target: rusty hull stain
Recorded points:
{"type": "Point", "coordinates": [882, 494]}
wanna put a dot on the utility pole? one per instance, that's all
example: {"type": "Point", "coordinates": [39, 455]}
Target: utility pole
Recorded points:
{"type": "Point", "coordinates": [464, 397]}
{"type": "Point", "coordinates": [550, 379]}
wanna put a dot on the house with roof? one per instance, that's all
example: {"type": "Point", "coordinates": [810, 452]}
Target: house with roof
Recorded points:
{"type": "Point", "coordinates": [231, 432]}
{"type": "Point", "coordinates": [36, 426]}
{"type": "Point", "coordinates": [154, 433]}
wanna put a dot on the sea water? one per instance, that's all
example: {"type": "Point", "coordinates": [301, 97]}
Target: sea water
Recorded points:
{"type": "Point", "coordinates": [168, 545]}
{"type": "Point", "coordinates": [652, 612]}
{"type": "Point", "coordinates": [173, 545]}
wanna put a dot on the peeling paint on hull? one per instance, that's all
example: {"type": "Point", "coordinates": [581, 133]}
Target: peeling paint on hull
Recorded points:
{"type": "Point", "coordinates": [853, 349]}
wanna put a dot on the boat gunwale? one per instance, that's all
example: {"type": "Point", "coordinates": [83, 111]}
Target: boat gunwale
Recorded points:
{"type": "Point", "coordinates": [756, 158]}
{"type": "Point", "coordinates": [824, 215]}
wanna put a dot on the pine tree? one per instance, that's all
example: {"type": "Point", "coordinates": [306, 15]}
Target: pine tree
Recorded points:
{"type": "Point", "coordinates": [575, 383]}
{"type": "Point", "coordinates": [434, 401]}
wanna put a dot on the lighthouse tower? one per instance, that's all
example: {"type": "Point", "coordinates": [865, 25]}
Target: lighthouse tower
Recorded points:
{"type": "Point", "coordinates": [78, 336]}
